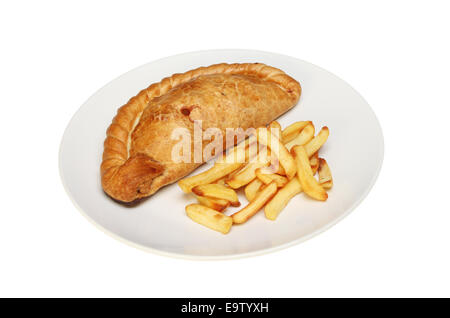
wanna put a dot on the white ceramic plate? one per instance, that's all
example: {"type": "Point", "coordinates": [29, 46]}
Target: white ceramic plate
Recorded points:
{"type": "Point", "coordinates": [354, 152]}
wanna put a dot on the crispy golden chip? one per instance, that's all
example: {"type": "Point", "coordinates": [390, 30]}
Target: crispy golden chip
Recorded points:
{"type": "Point", "coordinates": [314, 161]}
{"type": "Point", "coordinates": [239, 153]}
{"type": "Point", "coordinates": [232, 174]}
{"type": "Point", "coordinates": [209, 218]}
{"type": "Point", "coordinates": [275, 124]}
{"type": "Point", "coordinates": [304, 137]}
{"type": "Point", "coordinates": [275, 128]}
{"type": "Point", "coordinates": [222, 180]}
{"type": "Point", "coordinates": [218, 171]}
{"type": "Point", "coordinates": [247, 174]}
{"type": "Point", "coordinates": [312, 146]}
{"type": "Point", "coordinates": [281, 199]}
{"type": "Point", "coordinates": [215, 204]}
{"type": "Point", "coordinates": [217, 191]}
{"type": "Point", "coordinates": [305, 176]}
{"type": "Point", "coordinates": [267, 177]}
{"type": "Point", "coordinates": [327, 185]}
{"type": "Point", "coordinates": [325, 178]}
{"type": "Point", "coordinates": [254, 206]}
{"type": "Point", "coordinates": [234, 159]}
{"type": "Point", "coordinates": [278, 149]}
{"type": "Point", "coordinates": [262, 174]}
{"type": "Point", "coordinates": [277, 168]}
{"type": "Point", "coordinates": [293, 130]}
{"type": "Point", "coordinates": [251, 190]}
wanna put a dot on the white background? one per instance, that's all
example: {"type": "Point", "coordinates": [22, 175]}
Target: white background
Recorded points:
{"type": "Point", "coordinates": [54, 55]}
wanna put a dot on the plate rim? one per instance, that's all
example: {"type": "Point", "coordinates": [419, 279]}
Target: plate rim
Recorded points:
{"type": "Point", "coordinates": [231, 256]}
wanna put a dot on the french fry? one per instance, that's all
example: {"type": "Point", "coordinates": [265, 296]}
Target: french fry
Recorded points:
{"type": "Point", "coordinates": [305, 176]}
{"type": "Point", "coordinates": [327, 185]}
{"type": "Point", "coordinates": [284, 167]}
{"type": "Point", "coordinates": [267, 177]}
{"type": "Point", "coordinates": [293, 130]}
{"type": "Point", "coordinates": [222, 180]}
{"type": "Point", "coordinates": [275, 128]}
{"type": "Point", "coordinates": [232, 174]}
{"type": "Point", "coordinates": [279, 168]}
{"type": "Point", "coordinates": [239, 153]}
{"type": "Point", "coordinates": [281, 199]}
{"type": "Point", "coordinates": [217, 191]}
{"type": "Point", "coordinates": [209, 218]}
{"type": "Point", "coordinates": [278, 149]}
{"type": "Point", "coordinates": [325, 178]}
{"type": "Point", "coordinates": [218, 171]}
{"type": "Point", "coordinates": [303, 137]}
{"type": "Point", "coordinates": [247, 174]}
{"type": "Point", "coordinates": [263, 176]}
{"type": "Point", "coordinates": [275, 166]}
{"type": "Point", "coordinates": [232, 161]}
{"type": "Point", "coordinates": [252, 189]}
{"type": "Point", "coordinates": [312, 146]}
{"type": "Point", "coordinates": [314, 161]}
{"type": "Point", "coordinates": [254, 206]}
{"type": "Point", "coordinates": [215, 204]}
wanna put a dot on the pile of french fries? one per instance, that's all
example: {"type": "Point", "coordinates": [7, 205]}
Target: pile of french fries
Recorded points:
{"type": "Point", "coordinates": [284, 165]}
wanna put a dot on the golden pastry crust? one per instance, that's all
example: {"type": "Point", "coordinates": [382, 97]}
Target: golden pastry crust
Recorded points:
{"type": "Point", "coordinates": [137, 150]}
